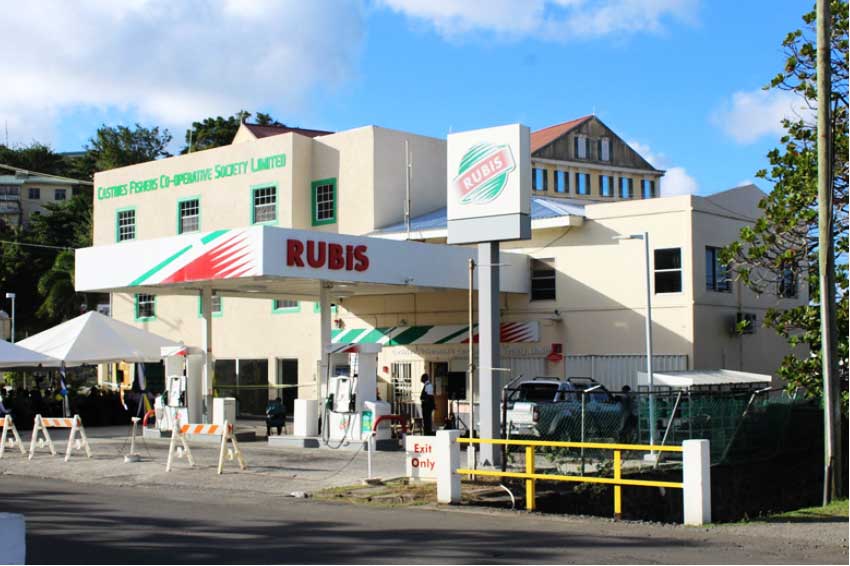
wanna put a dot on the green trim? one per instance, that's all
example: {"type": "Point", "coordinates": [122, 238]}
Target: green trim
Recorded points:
{"type": "Point", "coordinates": [136, 316]}
{"type": "Point", "coordinates": [215, 314]}
{"type": "Point", "coordinates": [286, 310]}
{"type": "Point", "coordinates": [409, 336]}
{"type": "Point", "coordinates": [159, 266]}
{"type": "Point", "coordinates": [135, 223]}
{"type": "Point", "coordinates": [456, 334]}
{"type": "Point", "coordinates": [313, 204]}
{"type": "Point", "coordinates": [316, 308]}
{"type": "Point", "coordinates": [213, 235]}
{"type": "Point", "coordinates": [254, 189]}
{"type": "Point", "coordinates": [185, 199]}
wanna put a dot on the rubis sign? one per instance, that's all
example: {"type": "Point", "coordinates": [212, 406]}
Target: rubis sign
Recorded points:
{"type": "Point", "coordinates": [483, 173]}
{"type": "Point", "coordinates": [318, 255]}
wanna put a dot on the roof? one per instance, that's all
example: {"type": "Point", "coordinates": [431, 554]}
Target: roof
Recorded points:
{"type": "Point", "coordinates": [542, 138]}
{"type": "Point", "coordinates": [541, 208]}
{"type": "Point", "coordinates": [40, 179]}
{"type": "Point", "coordinates": [694, 378]}
{"type": "Point", "coordinates": [267, 131]}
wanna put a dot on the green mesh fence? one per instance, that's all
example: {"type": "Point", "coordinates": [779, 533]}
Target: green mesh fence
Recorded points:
{"type": "Point", "coordinates": [740, 425]}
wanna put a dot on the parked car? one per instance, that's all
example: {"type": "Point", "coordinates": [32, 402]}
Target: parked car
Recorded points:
{"type": "Point", "coordinates": [551, 409]}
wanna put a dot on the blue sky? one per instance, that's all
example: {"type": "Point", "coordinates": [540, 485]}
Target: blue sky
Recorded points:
{"type": "Point", "coordinates": [679, 79]}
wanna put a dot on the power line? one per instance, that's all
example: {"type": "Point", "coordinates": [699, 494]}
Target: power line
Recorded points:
{"type": "Point", "coordinates": [11, 242]}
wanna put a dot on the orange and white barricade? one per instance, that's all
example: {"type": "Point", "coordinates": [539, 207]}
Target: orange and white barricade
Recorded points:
{"type": "Point", "coordinates": [226, 431]}
{"type": "Point", "coordinates": [75, 423]}
{"type": "Point", "coordinates": [8, 425]}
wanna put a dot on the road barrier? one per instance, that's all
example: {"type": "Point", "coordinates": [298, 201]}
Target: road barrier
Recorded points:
{"type": "Point", "coordinates": [8, 424]}
{"type": "Point", "coordinates": [696, 471]}
{"type": "Point", "coordinates": [75, 423]}
{"type": "Point", "coordinates": [226, 432]}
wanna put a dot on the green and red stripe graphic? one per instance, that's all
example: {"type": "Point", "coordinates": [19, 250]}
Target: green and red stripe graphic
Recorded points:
{"type": "Point", "coordinates": [483, 173]}
{"type": "Point", "coordinates": [223, 254]}
{"type": "Point", "coordinates": [509, 332]}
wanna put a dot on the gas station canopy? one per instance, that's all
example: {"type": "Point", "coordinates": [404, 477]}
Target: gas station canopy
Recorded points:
{"type": "Point", "coordinates": [268, 261]}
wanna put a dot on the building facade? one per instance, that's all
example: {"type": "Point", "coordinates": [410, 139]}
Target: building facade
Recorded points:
{"type": "Point", "coordinates": [587, 290]}
{"type": "Point", "coordinates": [24, 194]}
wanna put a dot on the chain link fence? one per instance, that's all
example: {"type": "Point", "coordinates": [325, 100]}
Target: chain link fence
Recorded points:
{"type": "Point", "coordinates": [741, 425]}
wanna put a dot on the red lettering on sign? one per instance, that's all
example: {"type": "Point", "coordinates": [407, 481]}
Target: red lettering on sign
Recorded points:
{"type": "Point", "coordinates": [362, 260]}
{"type": "Point", "coordinates": [349, 258]}
{"type": "Point", "coordinates": [336, 260]}
{"type": "Point", "coordinates": [294, 249]}
{"type": "Point", "coordinates": [316, 258]}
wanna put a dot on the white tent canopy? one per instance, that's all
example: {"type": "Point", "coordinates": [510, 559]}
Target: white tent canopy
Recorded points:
{"type": "Point", "coordinates": [13, 356]}
{"type": "Point", "coordinates": [93, 338]}
{"type": "Point", "coordinates": [693, 378]}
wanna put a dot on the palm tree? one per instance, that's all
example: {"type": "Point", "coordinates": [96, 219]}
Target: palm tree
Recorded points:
{"type": "Point", "coordinates": [56, 285]}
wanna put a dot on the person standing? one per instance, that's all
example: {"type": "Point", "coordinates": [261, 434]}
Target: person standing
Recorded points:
{"type": "Point", "coordinates": [426, 397]}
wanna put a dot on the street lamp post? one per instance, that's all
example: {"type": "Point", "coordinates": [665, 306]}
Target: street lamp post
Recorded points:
{"type": "Point", "coordinates": [12, 296]}
{"type": "Point", "coordinates": [648, 320]}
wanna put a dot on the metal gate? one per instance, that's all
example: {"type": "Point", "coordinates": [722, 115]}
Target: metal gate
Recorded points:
{"type": "Point", "coordinates": [615, 371]}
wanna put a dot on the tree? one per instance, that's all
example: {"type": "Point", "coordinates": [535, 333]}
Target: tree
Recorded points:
{"type": "Point", "coordinates": [218, 131]}
{"type": "Point", "coordinates": [119, 146]}
{"type": "Point", "coordinates": [783, 244]}
{"type": "Point", "coordinates": [35, 157]}
{"type": "Point", "coordinates": [56, 285]}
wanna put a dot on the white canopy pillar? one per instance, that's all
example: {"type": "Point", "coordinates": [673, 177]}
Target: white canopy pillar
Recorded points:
{"type": "Point", "coordinates": [207, 347]}
{"type": "Point", "coordinates": [324, 331]}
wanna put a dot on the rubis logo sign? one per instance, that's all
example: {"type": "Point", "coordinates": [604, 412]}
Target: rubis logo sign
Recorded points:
{"type": "Point", "coordinates": [483, 173]}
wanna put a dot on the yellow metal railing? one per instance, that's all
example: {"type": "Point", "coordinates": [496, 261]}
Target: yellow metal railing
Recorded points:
{"type": "Point", "coordinates": [531, 477]}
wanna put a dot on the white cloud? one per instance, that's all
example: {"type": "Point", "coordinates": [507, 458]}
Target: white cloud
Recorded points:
{"type": "Point", "coordinates": [553, 20]}
{"type": "Point", "coordinates": [676, 180]}
{"type": "Point", "coordinates": [749, 115]}
{"type": "Point", "coordinates": [171, 62]}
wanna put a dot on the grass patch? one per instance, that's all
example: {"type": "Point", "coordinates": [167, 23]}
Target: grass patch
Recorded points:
{"type": "Point", "coordinates": [836, 509]}
{"type": "Point", "coordinates": [390, 494]}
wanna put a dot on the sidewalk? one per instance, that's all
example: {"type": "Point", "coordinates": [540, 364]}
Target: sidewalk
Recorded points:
{"type": "Point", "coordinates": [273, 471]}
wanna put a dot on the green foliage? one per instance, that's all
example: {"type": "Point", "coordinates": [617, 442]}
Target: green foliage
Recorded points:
{"type": "Point", "coordinates": [786, 237]}
{"type": "Point", "coordinates": [119, 146]}
{"type": "Point", "coordinates": [219, 131]}
{"type": "Point", "coordinates": [56, 285]}
{"type": "Point", "coordinates": [36, 157]}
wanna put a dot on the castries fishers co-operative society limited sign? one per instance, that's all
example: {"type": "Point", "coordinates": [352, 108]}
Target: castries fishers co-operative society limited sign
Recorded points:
{"type": "Point", "coordinates": [489, 184]}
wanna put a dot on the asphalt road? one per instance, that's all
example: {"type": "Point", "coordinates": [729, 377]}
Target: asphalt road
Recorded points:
{"type": "Point", "coordinates": [74, 523]}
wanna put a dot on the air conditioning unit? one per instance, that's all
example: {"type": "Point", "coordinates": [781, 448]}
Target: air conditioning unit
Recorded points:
{"type": "Point", "coordinates": [743, 323]}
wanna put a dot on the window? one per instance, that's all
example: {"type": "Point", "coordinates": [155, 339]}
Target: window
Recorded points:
{"type": "Point", "coordinates": [606, 185]}
{"type": "Point", "coordinates": [125, 225]}
{"type": "Point", "coordinates": [580, 147]}
{"type": "Point", "coordinates": [59, 194]}
{"type": "Point", "coordinates": [605, 149]}
{"type": "Point", "coordinates": [215, 306]}
{"type": "Point", "coordinates": [647, 188]}
{"type": "Point", "coordinates": [285, 305]}
{"type": "Point", "coordinates": [188, 215]}
{"type": "Point", "coordinates": [34, 193]}
{"type": "Point", "coordinates": [9, 192]}
{"type": "Point", "coordinates": [583, 183]}
{"type": "Point", "coordinates": [317, 308]}
{"type": "Point", "coordinates": [76, 191]}
{"type": "Point", "coordinates": [264, 207]}
{"type": "Point", "coordinates": [542, 279]}
{"type": "Point", "coordinates": [627, 187]}
{"type": "Point", "coordinates": [668, 270]}
{"type": "Point", "coordinates": [324, 202]}
{"type": "Point", "coordinates": [788, 283]}
{"type": "Point", "coordinates": [716, 276]}
{"type": "Point", "coordinates": [540, 180]}
{"type": "Point", "coordinates": [145, 306]}
{"type": "Point", "coordinates": [562, 182]}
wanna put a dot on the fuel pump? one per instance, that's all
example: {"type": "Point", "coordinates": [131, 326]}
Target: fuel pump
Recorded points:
{"type": "Point", "coordinates": [351, 404]}
{"type": "Point", "coordinates": [182, 400]}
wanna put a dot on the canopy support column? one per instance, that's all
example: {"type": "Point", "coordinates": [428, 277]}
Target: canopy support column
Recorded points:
{"type": "Point", "coordinates": [207, 346]}
{"type": "Point", "coordinates": [488, 349]}
{"type": "Point", "coordinates": [324, 331]}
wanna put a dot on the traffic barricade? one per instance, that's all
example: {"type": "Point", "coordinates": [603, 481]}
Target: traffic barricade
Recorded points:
{"type": "Point", "coordinates": [8, 424]}
{"type": "Point", "coordinates": [226, 432]}
{"type": "Point", "coordinates": [75, 423]}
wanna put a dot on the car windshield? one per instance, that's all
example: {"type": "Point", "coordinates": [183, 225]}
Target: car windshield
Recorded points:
{"type": "Point", "coordinates": [535, 392]}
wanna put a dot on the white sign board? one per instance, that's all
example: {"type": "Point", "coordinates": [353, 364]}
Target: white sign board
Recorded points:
{"type": "Point", "coordinates": [488, 185]}
{"type": "Point", "coordinates": [421, 457]}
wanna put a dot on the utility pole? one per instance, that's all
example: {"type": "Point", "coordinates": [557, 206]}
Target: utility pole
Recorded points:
{"type": "Point", "coordinates": [833, 478]}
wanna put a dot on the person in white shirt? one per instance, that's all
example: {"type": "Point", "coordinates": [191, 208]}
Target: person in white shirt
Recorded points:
{"type": "Point", "coordinates": [426, 397]}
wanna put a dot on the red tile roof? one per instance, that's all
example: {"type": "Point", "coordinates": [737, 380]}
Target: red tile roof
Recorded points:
{"type": "Point", "coordinates": [266, 131]}
{"type": "Point", "coordinates": [544, 137]}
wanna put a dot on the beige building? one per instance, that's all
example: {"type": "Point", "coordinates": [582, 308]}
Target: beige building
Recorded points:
{"type": "Point", "coordinates": [583, 315]}
{"type": "Point", "coordinates": [23, 194]}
